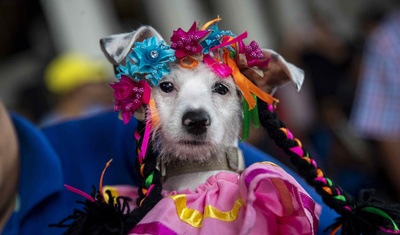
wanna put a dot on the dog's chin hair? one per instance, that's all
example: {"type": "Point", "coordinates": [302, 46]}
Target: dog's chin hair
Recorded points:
{"type": "Point", "coordinates": [191, 151]}
{"type": "Point", "coordinates": [188, 153]}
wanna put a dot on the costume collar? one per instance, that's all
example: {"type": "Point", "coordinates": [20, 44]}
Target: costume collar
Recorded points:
{"type": "Point", "coordinates": [230, 162]}
{"type": "Point", "coordinates": [40, 167]}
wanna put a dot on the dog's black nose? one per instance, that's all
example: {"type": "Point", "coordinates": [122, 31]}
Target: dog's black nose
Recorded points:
{"type": "Point", "coordinates": [196, 121]}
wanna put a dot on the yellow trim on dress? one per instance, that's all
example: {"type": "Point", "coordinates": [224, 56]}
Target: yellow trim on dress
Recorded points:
{"type": "Point", "coordinates": [195, 218]}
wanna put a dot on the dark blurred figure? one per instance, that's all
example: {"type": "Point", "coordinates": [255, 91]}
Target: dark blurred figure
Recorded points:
{"type": "Point", "coordinates": [327, 62]}
{"type": "Point", "coordinates": [331, 64]}
{"type": "Point", "coordinates": [33, 101]}
{"type": "Point", "coordinates": [376, 111]}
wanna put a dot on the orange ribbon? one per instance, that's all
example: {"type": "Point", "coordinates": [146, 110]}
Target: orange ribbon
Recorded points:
{"type": "Point", "coordinates": [206, 25]}
{"type": "Point", "coordinates": [188, 62]}
{"type": "Point", "coordinates": [155, 119]}
{"type": "Point", "coordinates": [102, 176]}
{"type": "Point", "coordinates": [334, 231]}
{"type": "Point", "coordinates": [246, 86]}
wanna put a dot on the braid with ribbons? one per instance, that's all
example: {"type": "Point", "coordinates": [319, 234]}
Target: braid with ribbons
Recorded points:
{"type": "Point", "coordinates": [150, 178]}
{"type": "Point", "coordinates": [365, 216]}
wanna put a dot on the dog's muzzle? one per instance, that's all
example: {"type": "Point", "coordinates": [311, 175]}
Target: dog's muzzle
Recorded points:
{"type": "Point", "coordinates": [196, 121]}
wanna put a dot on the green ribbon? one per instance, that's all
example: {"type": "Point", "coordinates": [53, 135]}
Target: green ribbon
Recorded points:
{"type": "Point", "coordinates": [149, 180]}
{"type": "Point", "coordinates": [329, 181]}
{"type": "Point", "coordinates": [246, 120]}
{"type": "Point", "coordinates": [249, 117]}
{"type": "Point", "coordinates": [255, 118]}
{"type": "Point", "coordinates": [380, 212]}
{"type": "Point", "coordinates": [340, 197]}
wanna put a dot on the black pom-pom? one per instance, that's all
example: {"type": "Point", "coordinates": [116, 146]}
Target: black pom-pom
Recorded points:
{"type": "Point", "coordinates": [369, 216]}
{"type": "Point", "coordinates": [99, 217]}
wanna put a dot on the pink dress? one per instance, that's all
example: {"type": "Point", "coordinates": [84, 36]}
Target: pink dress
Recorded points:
{"type": "Point", "coordinates": [264, 199]}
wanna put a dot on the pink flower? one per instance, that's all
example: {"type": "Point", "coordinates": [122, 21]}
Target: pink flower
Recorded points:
{"type": "Point", "coordinates": [254, 55]}
{"type": "Point", "coordinates": [123, 89]}
{"type": "Point", "coordinates": [129, 96]}
{"type": "Point", "coordinates": [187, 43]}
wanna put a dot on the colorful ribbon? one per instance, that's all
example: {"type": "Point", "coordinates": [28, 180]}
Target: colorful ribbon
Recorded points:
{"type": "Point", "coordinates": [246, 86]}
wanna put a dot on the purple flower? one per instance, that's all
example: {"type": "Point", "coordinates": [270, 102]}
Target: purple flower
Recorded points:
{"type": "Point", "coordinates": [254, 55]}
{"type": "Point", "coordinates": [187, 43]}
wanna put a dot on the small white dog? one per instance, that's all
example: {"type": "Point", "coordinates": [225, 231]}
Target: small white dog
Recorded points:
{"type": "Point", "coordinates": [196, 123]}
{"type": "Point", "coordinates": [199, 114]}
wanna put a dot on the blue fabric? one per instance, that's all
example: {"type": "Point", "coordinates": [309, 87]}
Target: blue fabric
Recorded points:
{"type": "Point", "coordinates": [85, 146]}
{"type": "Point", "coordinates": [72, 153]}
{"type": "Point", "coordinates": [40, 179]}
{"type": "Point", "coordinates": [75, 153]}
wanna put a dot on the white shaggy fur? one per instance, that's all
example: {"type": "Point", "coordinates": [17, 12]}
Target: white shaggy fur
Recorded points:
{"type": "Point", "coordinates": [193, 90]}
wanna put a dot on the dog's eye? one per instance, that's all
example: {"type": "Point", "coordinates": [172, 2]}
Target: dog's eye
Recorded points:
{"type": "Point", "coordinates": [166, 87]}
{"type": "Point", "coordinates": [220, 88]}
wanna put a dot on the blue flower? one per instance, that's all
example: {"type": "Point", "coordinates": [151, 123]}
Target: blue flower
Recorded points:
{"type": "Point", "coordinates": [148, 60]}
{"type": "Point", "coordinates": [214, 38]}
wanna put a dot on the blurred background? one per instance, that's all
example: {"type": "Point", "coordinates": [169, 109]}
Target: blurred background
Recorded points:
{"type": "Point", "coordinates": [52, 68]}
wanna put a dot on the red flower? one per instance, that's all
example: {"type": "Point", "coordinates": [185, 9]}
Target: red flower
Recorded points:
{"type": "Point", "coordinates": [187, 43]}
{"type": "Point", "coordinates": [129, 96]}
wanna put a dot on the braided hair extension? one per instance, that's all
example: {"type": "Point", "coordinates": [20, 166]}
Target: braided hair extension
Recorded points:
{"type": "Point", "coordinates": [365, 216]}
{"type": "Point", "coordinates": [150, 180]}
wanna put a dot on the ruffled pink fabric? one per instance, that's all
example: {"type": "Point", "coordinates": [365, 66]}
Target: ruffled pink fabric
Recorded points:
{"type": "Point", "coordinates": [273, 203]}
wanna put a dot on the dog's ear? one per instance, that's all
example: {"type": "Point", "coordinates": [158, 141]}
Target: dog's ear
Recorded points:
{"type": "Point", "coordinates": [278, 73]}
{"type": "Point", "coordinates": [116, 47]}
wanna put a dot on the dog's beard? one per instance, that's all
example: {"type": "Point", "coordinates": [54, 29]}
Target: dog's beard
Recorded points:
{"type": "Point", "coordinates": [189, 152]}
{"type": "Point", "coordinates": [193, 149]}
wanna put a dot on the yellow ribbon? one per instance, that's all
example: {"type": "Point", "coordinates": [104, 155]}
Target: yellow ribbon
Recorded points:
{"type": "Point", "coordinates": [113, 191]}
{"type": "Point", "coordinates": [195, 218]}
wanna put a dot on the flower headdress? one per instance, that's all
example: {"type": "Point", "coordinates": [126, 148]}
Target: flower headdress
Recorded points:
{"type": "Point", "coordinates": [224, 52]}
